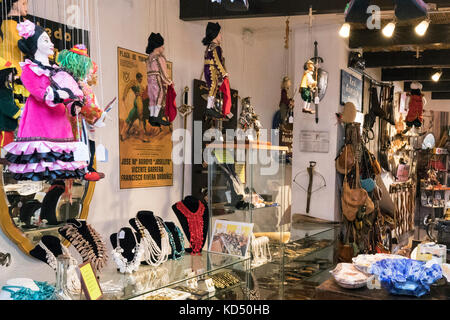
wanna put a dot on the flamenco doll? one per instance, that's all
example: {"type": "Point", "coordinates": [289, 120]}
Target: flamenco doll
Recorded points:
{"type": "Point", "coordinates": [158, 79]}
{"type": "Point", "coordinates": [217, 78]}
{"type": "Point", "coordinates": [77, 62]}
{"type": "Point", "coordinates": [45, 147]}
{"type": "Point", "coordinates": [15, 11]}
{"type": "Point", "coordinates": [9, 111]}
{"type": "Point", "coordinates": [308, 86]}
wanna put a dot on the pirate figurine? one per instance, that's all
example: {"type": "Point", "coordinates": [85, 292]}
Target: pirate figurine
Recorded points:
{"type": "Point", "coordinates": [214, 68]}
{"type": "Point", "coordinates": [308, 86]}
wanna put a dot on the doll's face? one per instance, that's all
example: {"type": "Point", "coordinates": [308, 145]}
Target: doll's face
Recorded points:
{"type": "Point", "coordinates": [159, 50]}
{"type": "Point", "coordinates": [45, 45]}
{"type": "Point", "coordinates": [219, 38]}
{"type": "Point", "coordinates": [20, 8]}
{"type": "Point", "coordinates": [287, 84]}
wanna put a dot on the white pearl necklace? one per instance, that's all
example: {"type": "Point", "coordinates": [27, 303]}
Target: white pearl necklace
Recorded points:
{"type": "Point", "coordinates": [122, 262]}
{"type": "Point", "coordinates": [154, 255]}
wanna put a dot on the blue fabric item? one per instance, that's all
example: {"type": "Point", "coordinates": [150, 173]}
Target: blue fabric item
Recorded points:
{"type": "Point", "coordinates": [406, 276]}
{"type": "Point", "coordinates": [368, 184]}
{"type": "Point", "coordinates": [410, 9]}
{"type": "Point", "coordinates": [45, 292]}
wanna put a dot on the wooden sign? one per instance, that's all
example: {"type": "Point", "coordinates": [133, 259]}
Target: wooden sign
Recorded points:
{"type": "Point", "coordinates": [89, 282]}
{"type": "Point", "coordinates": [351, 90]}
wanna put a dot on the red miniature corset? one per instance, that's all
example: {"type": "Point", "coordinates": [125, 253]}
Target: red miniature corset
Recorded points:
{"type": "Point", "coordinates": [195, 222]}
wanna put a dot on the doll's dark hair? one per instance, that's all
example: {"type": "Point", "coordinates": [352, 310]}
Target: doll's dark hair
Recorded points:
{"type": "Point", "coordinates": [29, 46]}
{"type": "Point", "coordinates": [4, 74]}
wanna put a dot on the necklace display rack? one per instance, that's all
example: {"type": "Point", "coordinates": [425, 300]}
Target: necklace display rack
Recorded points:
{"type": "Point", "coordinates": [194, 219]}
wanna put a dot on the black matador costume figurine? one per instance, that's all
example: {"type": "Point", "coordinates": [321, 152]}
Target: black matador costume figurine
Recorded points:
{"type": "Point", "coordinates": [216, 75]}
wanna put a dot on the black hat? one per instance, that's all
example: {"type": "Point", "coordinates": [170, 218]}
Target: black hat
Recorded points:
{"type": "Point", "coordinates": [154, 41]}
{"type": "Point", "coordinates": [212, 31]}
{"type": "Point", "coordinates": [29, 45]}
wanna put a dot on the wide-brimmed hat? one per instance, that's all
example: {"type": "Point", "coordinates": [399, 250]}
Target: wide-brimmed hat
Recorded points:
{"type": "Point", "coordinates": [349, 114]}
{"type": "Point", "coordinates": [154, 41]}
{"type": "Point", "coordinates": [212, 31]}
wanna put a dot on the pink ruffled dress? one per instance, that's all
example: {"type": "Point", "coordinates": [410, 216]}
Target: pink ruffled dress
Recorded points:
{"type": "Point", "coordinates": [45, 145]}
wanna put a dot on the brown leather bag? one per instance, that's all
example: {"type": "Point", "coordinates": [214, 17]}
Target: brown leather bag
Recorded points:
{"type": "Point", "coordinates": [353, 199]}
{"type": "Point", "coordinates": [346, 160]}
{"type": "Point", "coordinates": [376, 167]}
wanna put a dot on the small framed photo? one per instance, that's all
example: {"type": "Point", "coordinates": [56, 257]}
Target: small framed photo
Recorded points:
{"type": "Point", "coordinates": [231, 238]}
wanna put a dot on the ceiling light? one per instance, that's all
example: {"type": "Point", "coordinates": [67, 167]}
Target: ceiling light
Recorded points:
{"type": "Point", "coordinates": [389, 29]}
{"type": "Point", "coordinates": [437, 76]}
{"type": "Point", "coordinates": [345, 30]}
{"type": "Point", "coordinates": [422, 27]}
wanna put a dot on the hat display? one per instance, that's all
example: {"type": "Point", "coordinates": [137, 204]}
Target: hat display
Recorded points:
{"type": "Point", "coordinates": [349, 114]}
{"type": "Point", "coordinates": [212, 31]}
{"type": "Point", "coordinates": [154, 41]}
{"type": "Point", "coordinates": [5, 64]}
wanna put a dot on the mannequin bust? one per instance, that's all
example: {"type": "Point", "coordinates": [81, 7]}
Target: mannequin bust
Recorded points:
{"type": "Point", "coordinates": [178, 246]}
{"type": "Point", "coordinates": [51, 243]}
{"type": "Point", "coordinates": [148, 220]}
{"type": "Point", "coordinates": [127, 243]}
{"type": "Point", "coordinates": [82, 227]}
{"type": "Point", "coordinates": [192, 204]}
{"type": "Point", "coordinates": [50, 201]}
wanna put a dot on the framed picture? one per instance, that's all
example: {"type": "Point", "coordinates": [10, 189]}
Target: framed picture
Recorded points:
{"type": "Point", "coordinates": [351, 90]}
{"type": "Point", "coordinates": [231, 238]}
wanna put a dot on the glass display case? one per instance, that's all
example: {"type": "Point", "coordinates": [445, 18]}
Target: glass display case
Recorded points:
{"type": "Point", "coordinates": [184, 279]}
{"type": "Point", "coordinates": [247, 183]}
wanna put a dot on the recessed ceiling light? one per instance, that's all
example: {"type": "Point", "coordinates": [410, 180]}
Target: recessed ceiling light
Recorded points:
{"type": "Point", "coordinates": [345, 30]}
{"type": "Point", "coordinates": [422, 27]}
{"type": "Point", "coordinates": [389, 29]}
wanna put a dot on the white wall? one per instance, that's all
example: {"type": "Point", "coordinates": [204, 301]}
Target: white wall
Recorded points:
{"type": "Point", "coordinates": [334, 52]}
{"type": "Point", "coordinates": [256, 70]}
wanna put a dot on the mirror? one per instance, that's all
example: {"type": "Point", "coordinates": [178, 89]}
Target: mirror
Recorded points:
{"type": "Point", "coordinates": [29, 210]}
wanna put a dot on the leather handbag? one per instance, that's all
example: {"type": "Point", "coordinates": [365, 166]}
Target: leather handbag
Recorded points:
{"type": "Point", "coordinates": [353, 199]}
{"type": "Point", "coordinates": [346, 160]}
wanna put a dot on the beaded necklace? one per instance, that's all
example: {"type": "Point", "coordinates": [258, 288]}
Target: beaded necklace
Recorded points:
{"type": "Point", "coordinates": [154, 255]}
{"type": "Point", "coordinates": [177, 255]}
{"type": "Point", "coordinates": [122, 263]}
{"type": "Point", "coordinates": [195, 222]}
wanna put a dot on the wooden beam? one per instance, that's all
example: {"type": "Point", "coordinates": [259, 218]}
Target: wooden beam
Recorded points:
{"type": "Point", "coordinates": [431, 86]}
{"type": "Point", "coordinates": [441, 96]}
{"type": "Point", "coordinates": [412, 74]}
{"type": "Point", "coordinates": [428, 58]}
{"type": "Point", "coordinates": [194, 10]}
{"type": "Point", "coordinates": [403, 36]}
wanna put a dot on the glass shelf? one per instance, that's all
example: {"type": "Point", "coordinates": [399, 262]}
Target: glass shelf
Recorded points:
{"type": "Point", "coordinates": [172, 273]}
